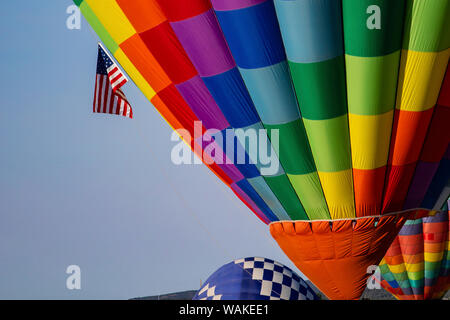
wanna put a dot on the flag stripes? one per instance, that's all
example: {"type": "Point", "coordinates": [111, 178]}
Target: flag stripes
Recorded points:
{"type": "Point", "coordinates": [116, 77]}
{"type": "Point", "coordinates": [108, 101]}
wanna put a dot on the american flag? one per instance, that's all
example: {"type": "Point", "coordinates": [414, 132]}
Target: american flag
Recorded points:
{"type": "Point", "coordinates": [108, 97]}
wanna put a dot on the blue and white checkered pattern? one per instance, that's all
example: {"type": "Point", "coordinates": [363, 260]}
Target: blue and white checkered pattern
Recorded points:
{"type": "Point", "coordinates": [255, 279]}
{"type": "Point", "coordinates": [209, 293]}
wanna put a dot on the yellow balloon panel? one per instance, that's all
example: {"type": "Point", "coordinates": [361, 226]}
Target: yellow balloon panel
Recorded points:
{"type": "Point", "coordinates": [338, 190]}
{"type": "Point", "coordinates": [420, 79]}
{"type": "Point", "coordinates": [113, 19]}
{"type": "Point", "coordinates": [369, 141]}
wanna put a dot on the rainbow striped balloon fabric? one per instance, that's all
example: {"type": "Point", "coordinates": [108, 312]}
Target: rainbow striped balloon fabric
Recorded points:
{"type": "Point", "coordinates": [352, 106]}
{"type": "Point", "coordinates": [417, 265]}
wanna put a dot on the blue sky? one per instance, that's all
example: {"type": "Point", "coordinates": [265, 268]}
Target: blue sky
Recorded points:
{"type": "Point", "coordinates": [99, 191]}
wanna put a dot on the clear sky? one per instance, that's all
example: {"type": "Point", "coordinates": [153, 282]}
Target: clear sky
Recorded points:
{"type": "Point", "coordinates": [99, 191]}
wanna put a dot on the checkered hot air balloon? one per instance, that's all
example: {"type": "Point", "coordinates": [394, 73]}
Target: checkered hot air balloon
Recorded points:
{"type": "Point", "coordinates": [255, 278]}
{"type": "Point", "coordinates": [352, 91]}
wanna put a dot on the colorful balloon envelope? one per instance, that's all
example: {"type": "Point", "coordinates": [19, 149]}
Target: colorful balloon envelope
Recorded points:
{"type": "Point", "coordinates": [255, 278]}
{"type": "Point", "coordinates": [417, 265]}
{"type": "Point", "coordinates": [351, 95]}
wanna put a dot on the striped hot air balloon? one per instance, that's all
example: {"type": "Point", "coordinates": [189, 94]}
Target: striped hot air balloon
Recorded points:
{"type": "Point", "coordinates": [417, 265]}
{"type": "Point", "coordinates": [348, 90]}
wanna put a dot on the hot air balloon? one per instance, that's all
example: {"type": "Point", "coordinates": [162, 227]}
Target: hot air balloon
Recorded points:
{"type": "Point", "coordinates": [417, 265]}
{"type": "Point", "coordinates": [346, 90]}
{"type": "Point", "coordinates": [255, 278]}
